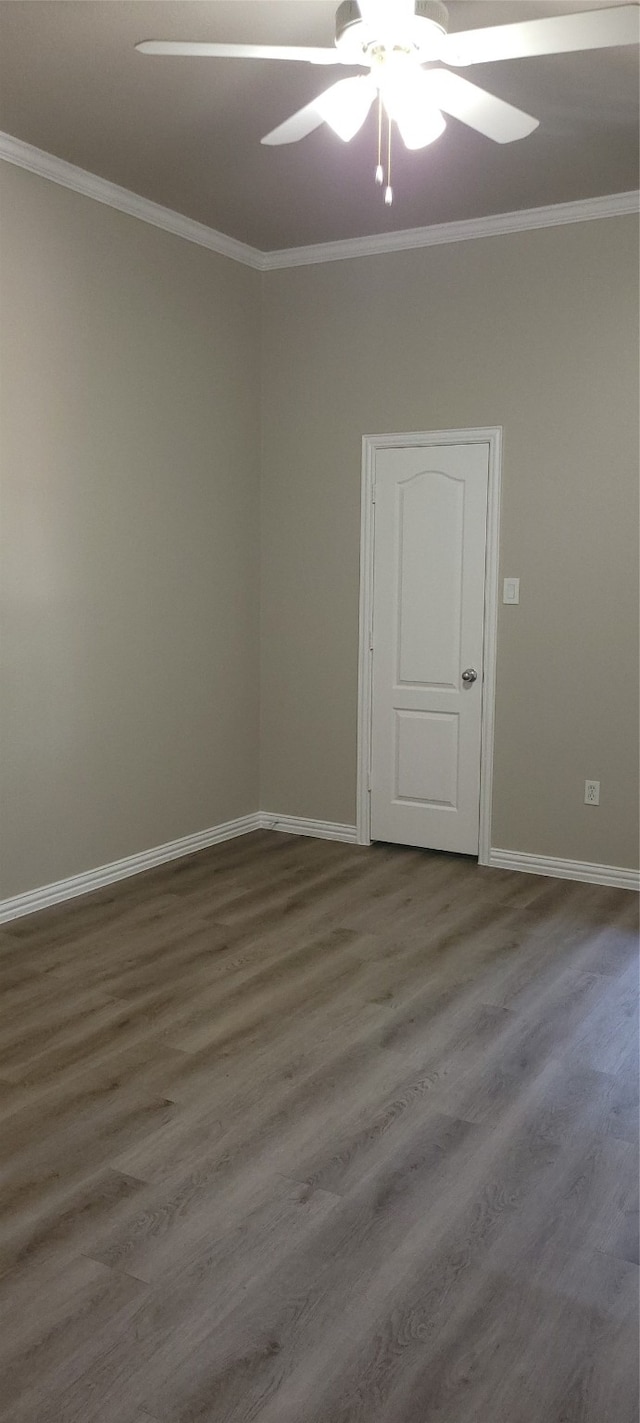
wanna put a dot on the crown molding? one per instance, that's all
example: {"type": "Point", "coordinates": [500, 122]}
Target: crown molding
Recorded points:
{"type": "Point", "coordinates": [46, 165]}
{"type": "Point", "coordinates": [496, 225]}
{"type": "Point", "coordinates": [57, 170]}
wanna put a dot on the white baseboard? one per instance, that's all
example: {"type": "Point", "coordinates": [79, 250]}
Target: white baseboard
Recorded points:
{"type": "Point", "coordinates": [320, 829]}
{"type": "Point", "coordinates": [615, 875]}
{"type": "Point", "coordinates": [48, 894]}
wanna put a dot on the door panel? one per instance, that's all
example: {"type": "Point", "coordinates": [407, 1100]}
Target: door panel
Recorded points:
{"type": "Point", "coordinates": [428, 620]}
{"type": "Point", "coordinates": [430, 577]}
{"type": "Point", "coordinates": [426, 757]}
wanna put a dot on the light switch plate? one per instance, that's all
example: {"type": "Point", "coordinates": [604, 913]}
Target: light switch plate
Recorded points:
{"type": "Point", "coordinates": [511, 590]}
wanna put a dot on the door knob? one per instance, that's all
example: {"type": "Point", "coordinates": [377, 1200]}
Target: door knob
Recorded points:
{"type": "Point", "coordinates": [470, 675]}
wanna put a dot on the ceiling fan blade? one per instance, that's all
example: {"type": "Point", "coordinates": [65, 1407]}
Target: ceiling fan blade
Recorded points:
{"type": "Point", "coordinates": [241, 51]}
{"type": "Point", "coordinates": [296, 127]}
{"type": "Point", "coordinates": [480, 110]}
{"type": "Point", "coordinates": [344, 106]}
{"type": "Point", "coordinates": [593, 29]}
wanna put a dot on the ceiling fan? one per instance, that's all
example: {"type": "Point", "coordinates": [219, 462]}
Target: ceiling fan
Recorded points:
{"type": "Point", "coordinates": [393, 40]}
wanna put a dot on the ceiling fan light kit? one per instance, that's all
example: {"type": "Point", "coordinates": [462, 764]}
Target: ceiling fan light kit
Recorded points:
{"type": "Point", "coordinates": [393, 40]}
{"type": "Point", "coordinates": [419, 30]}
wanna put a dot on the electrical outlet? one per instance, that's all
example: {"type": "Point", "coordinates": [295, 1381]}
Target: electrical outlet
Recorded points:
{"type": "Point", "coordinates": [592, 792]}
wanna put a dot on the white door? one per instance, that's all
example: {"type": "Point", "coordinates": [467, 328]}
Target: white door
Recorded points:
{"type": "Point", "coordinates": [428, 623]}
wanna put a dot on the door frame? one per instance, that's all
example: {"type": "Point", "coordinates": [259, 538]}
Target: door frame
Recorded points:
{"type": "Point", "coordinates": [491, 436]}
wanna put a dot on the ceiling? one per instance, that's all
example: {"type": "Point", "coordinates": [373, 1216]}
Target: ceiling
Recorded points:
{"type": "Point", "coordinates": [186, 132]}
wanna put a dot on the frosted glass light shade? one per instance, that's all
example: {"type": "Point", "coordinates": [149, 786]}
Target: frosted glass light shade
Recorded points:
{"type": "Point", "coordinates": [346, 104]}
{"type": "Point", "coordinates": [406, 94]}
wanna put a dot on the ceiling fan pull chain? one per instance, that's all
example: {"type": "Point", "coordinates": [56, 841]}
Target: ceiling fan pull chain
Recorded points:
{"type": "Point", "coordinates": [388, 192]}
{"type": "Point", "coordinates": [379, 169]}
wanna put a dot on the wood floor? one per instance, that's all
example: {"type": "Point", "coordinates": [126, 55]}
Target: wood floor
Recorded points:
{"type": "Point", "coordinates": [300, 1132]}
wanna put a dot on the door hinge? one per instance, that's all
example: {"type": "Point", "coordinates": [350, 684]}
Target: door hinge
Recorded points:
{"type": "Point", "coordinates": [373, 492]}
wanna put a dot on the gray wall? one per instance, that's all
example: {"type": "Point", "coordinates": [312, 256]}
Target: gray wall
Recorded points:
{"type": "Point", "coordinates": [536, 332]}
{"type": "Point", "coordinates": [130, 449]}
{"type": "Point", "coordinates": [130, 443]}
